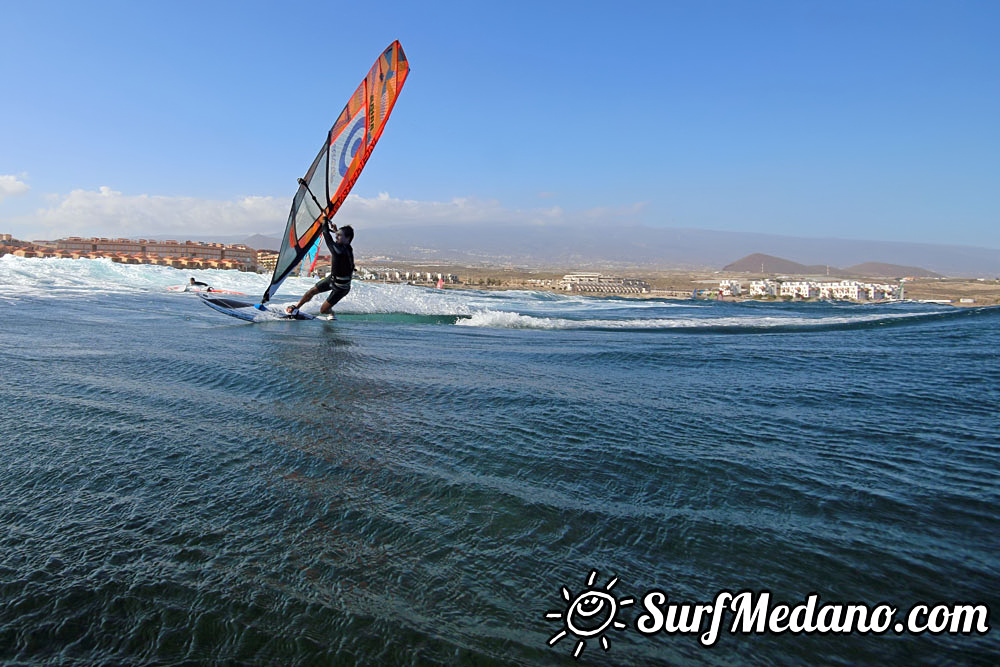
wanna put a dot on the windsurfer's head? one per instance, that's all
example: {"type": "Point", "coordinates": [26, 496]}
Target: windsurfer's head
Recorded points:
{"type": "Point", "coordinates": [347, 232]}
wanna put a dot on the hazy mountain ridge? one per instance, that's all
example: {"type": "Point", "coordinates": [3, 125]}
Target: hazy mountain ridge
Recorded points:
{"type": "Point", "coordinates": [261, 242]}
{"type": "Point", "coordinates": [606, 245]}
{"type": "Point", "coordinates": [759, 263]}
{"type": "Point", "coordinates": [879, 269]}
{"type": "Point", "coordinates": [663, 248]}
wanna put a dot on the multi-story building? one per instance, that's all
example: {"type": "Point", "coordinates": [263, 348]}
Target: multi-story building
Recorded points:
{"type": "Point", "coordinates": [844, 290]}
{"type": "Point", "coordinates": [192, 252]}
{"type": "Point", "coordinates": [730, 288]}
{"type": "Point", "coordinates": [266, 260]}
{"type": "Point", "coordinates": [763, 288]}
{"type": "Point", "coordinates": [799, 289]}
{"type": "Point", "coordinates": [595, 282]}
{"type": "Point", "coordinates": [393, 275]}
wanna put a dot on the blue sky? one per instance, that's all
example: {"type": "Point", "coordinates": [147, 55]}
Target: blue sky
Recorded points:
{"type": "Point", "coordinates": [870, 120]}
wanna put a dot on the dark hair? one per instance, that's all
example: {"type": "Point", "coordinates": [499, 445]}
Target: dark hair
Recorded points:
{"type": "Point", "coordinates": [348, 232]}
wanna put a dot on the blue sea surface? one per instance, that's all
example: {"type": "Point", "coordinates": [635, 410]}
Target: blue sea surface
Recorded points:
{"type": "Point", "coordinates": [419, 481]}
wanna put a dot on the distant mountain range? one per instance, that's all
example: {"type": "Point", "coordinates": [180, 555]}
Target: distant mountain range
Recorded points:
{"type": "Point", "coordinates": [609, 246]}
{"type": "Point", "coordinates": [759, 263]}
{"type": "Point", "coordinates": [260, 242]}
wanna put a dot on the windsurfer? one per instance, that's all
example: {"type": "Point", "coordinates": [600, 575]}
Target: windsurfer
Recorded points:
{"type": "Point", "coordinates": [198, 283]}
{"type": "Point", "coordinates": [338, 283]}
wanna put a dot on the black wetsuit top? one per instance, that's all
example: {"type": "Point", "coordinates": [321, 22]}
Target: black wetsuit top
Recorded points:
{"type": "Point", "coordinates": [343, 260]}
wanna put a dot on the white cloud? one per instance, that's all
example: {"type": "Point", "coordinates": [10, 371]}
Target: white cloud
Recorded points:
{"type": "Point", "coordinates": [107, 212]}
{"type": "Point", "coordinates": [611, 212]}
{"type": "Point", "coordinates": [384, 211]}
{"type": "Point", "coordinates": [11, 186]}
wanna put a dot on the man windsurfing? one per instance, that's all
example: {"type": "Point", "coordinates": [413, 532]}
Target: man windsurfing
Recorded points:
{"type": "Point", "coordinates": [338, 283]}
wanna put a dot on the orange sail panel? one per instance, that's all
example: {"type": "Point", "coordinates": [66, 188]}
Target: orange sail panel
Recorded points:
{"type": "Point", "coordinates": [348, 145]}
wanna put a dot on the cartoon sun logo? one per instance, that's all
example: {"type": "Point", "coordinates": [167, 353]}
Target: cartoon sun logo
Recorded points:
{"type": "Point", "coordinates": [589, 614]}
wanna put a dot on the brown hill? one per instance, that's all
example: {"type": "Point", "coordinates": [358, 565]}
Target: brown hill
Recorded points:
{"type": "Point", "coordinates": [760, 263]}
{"type": "Point", "coordinates": [769, 264]}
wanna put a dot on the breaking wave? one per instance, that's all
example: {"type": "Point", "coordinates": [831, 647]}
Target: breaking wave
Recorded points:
{"type": "Point", "coordinates": [512, 309]}
{"type": "Point", "coordinates": [722, 324]}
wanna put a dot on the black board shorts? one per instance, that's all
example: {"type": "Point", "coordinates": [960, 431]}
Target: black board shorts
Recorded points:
{"type": "Point", "coordinates": [338, 288]}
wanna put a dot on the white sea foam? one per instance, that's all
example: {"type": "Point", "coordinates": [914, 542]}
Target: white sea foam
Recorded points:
{"type": "Point", "coordinates": [29, 275]}
{"type": "Point", "coordinates": [401, 298]}
{"type": "Point", "coordinates": [509, 320]}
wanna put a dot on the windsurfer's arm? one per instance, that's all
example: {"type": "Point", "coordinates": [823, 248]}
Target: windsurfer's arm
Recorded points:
{"type": "Point", "coordinates": [328, 230]}
{"type": "Point", "coordinates": [339, 248]}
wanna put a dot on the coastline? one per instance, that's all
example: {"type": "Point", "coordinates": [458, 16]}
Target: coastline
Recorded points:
{"type": "Point", "coordinates": [676, 284]}
{"type": "Point", "coordinates": [682, 284]}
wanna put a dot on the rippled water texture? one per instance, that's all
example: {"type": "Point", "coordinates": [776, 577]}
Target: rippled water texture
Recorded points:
{"type": "Point", "coordinates": [415, 482]}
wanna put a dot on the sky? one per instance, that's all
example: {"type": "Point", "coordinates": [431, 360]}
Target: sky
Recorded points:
{"type": "Point", "coordinates": [871, 120]}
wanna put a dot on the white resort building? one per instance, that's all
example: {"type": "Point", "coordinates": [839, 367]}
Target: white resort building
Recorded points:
{"type": "Point", "coordinates": [763, 288]}
{"type": "Point", "coordinates": [390, 274]}
{"type": "Point", "coordinates": [801, 289]}
{"type": "Point", "coordinates": [730, 288]}
{"type": "Point", "coordinates": [844, 290]}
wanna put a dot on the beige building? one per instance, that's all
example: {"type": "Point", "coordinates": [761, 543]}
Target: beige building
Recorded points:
{"type": "Point", "coordinates": [266, 260]}
{"type": "Point", "coordinates": [191, 253]}
{"type": "Point", "coordinates": [597, 283]}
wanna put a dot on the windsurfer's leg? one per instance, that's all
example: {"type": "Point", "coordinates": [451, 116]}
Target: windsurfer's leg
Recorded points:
{"type": "Point", "coordinates": [336, 295]}
{"type": "Point", "coordinates": [305, 299]}
{"type": "Point", "coordinates": [321, 286]}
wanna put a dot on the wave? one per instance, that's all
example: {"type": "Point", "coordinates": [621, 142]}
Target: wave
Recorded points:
{"type": "Point", "coordinates": [53, 277]}
{"type": "Point", "coordinates": [29, 275]}
{"type": "Point", "coordinates": [511, 309]}
{"type": "Point", "coordinates": [723, 324]}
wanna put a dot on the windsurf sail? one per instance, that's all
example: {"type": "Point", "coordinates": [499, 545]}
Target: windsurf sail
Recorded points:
{"type": "Point", "coordinates": [309, 262]}
{"type": "Point", "coordinates": [348, 145]}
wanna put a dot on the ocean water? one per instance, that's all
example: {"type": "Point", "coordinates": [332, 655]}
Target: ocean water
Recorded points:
{"type": "Point", "coordinates": [418, 481]}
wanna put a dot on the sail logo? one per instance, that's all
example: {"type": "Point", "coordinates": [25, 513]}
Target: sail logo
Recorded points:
{"type": "Point", "coordinates": [589, 614]}
{"type": "Point", "coordinates": [345, 147]}
{"type": "Point", "coordinates": [371, 114]}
